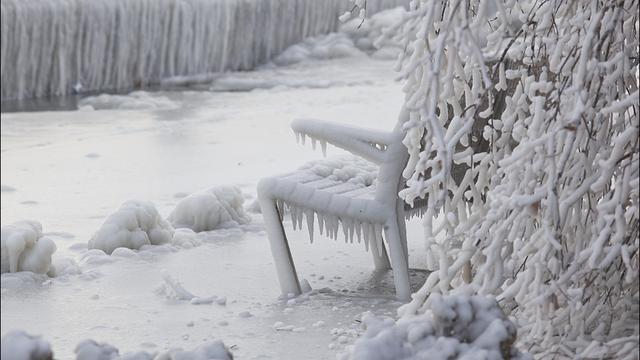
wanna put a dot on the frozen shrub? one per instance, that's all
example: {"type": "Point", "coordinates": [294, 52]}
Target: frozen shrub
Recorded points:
{"type": "Point", "coordinates": [135, 224]}
{"type": "Point", "coordinates": [220, 206]}
{"type": "Point", "coordinates": [454, 327]}
{"type": "Point", "coordinates": [18, 345]}
{"type": "Point", "coordinates": [25, 249]}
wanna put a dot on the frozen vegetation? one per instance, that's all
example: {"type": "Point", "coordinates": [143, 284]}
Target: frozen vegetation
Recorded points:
{"type": "Point", "coordinates": [102, 45]}
{"type": "Point", "coordinates": [210, 209]}
{"type": "Point", "coordinates": [24, 248]}
{"type": "Point", "coordinates": [18, 345]}
{"type": "Point", "coordinates": [135, 224]}
{"type": "Point", "coordinates": [460, 326]}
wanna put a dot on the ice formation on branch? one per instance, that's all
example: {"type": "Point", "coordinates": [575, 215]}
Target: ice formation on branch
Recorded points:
{"type": "Point", "coordinates": [523, 139]}
{"type": "Point", "coordinates": [461, 326]}
{"type": "Point", "coordinates": [25, 249]}
{"type": "Point", "coordinates": [210, 209]}
{"type": "Point", "coordinates": [135, 224]}
{"type": "Point", "coordinates": [57, 47]}
{"type": "Point", "coordinates": [18, 345]}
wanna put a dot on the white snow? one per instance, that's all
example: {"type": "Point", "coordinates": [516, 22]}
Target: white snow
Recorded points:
{"type": "Point", "coordinates": [92, 350]}
{"type": "Point", "coordinates": [135, 224]}
{"type": "Point", "coordinates": [18, 345]}
{"type": "Point", "coordinates": [137, 100]}
{"type": "Point", "coordinates": [215, 138]}
{"type": "Point", "coordinates": [25, 249]}
{"type": "Point", "coordinates": [219, 206]}
{"type": "Point", "coordinates": [460, 326]}
{"type": "Point", "coordinates": [203, 37]}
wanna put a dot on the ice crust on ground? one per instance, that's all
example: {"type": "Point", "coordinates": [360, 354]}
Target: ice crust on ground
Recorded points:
{"type": "Point", "coordinates": [137, 100]}
{"type": "Point", "coordinates": [135, 224]}
{"type": "Point", "coordinates": [25, 249]}
{"type": "Point", "coordinates": [461, 326]}
{"type": "Point", "coordinates": [92, 350]}
{"type": "Point", "coordinates": [206, 210]}
{"type": "Point", "coordinates": [18, 345]}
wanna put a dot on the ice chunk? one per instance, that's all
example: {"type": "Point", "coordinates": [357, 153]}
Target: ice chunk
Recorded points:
{"type": "Point", "coordinates": [135, 224]}
{"type": "Point", "coordinates": [18, 345]}
{"type": "Point", "coordinates": [25, 249]}
{"type": "Point", "coordinates": [220, 206]}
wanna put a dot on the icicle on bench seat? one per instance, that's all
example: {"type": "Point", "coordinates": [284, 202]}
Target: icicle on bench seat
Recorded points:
{"type": "Point", "coordinates": [360, 195]}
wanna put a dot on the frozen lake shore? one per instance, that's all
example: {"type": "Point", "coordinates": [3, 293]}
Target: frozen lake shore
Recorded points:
{"type": "Point", "coordinates": [67, 169]}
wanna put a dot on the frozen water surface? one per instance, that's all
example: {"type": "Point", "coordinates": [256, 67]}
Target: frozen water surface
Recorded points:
{"type": "Point", "coordinates": [77, 167]}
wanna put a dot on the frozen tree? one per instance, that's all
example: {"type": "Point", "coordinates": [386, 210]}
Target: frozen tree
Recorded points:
{"type": "Point", "coordinates": [523, 141]}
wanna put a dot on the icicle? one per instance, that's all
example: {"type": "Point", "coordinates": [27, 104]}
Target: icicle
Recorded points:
{"type": "Point", "coordinates": [310, 219]}
{"type": "Point", "coordinates": [280, 206]}
{"type": "Point", "coordinates": [304, 138]}
{"type": "Point", "coordinates": [313, 143]}
{"type": "Point", "coordinates": [323, 145]}
{"type": "Point", "coordinates": [299, 215]}
{"type": "Point", "coordinates": [321, 223]}
{"type": "Point", "coordinates": [367, 235]}
{"type": "Point", "coordinates": [292, 213]}
{"type": "Point", "coordinates": [359, 231]}
{"type": "Point", "coordinates": [378, 237]}
{"type": "Point", "coordinates": [297, 137]}
{"type": "Point", "coordinates": [345, 231]}
{"type": "Point", "coordinates": [351, 230]}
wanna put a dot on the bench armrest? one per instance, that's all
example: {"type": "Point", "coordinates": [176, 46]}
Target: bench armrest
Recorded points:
{"type": "Point", "coordinates": [367, 143]}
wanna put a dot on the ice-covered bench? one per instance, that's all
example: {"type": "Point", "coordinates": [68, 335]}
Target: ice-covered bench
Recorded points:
{"type": "Point", "coordinates": [360, 196]}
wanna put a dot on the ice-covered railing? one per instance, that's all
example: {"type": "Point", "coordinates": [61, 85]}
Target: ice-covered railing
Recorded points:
{"type": "Point", "coordinates": [57, 47]}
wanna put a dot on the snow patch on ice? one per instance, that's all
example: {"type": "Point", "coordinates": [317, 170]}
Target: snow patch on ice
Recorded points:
{"type": "Point", "coordinates": [18, 345]}
{"type": "Point", "coordinates": [206, 210]}
{"type": "Point", "coordinates": [135, 224]}
{"type": "Point", "coordinates": [137, 100]}
{"type": "Point", "coordinates": [25, 249]}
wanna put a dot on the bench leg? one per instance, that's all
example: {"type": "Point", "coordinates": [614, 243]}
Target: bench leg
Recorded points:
{"type": "Point", "coordinates": [287, 275]}
{"type": "Point", "coordinates": [380, 260]}
{"type": "Point", "coordinates": [399, 261]}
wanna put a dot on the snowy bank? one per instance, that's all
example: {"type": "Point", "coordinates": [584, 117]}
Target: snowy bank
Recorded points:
{"type": "Point", "coordinates": [25, 249]}
{"type": "Point", "coordinates": [58, 47]}
{"type": "Point", "coordinates": [135, 224]}
{"type": "Point", "coordinates": [455, 327]}
{"type": "Point", "coordinates": [18, 345]}
{"type": "Point", "coordinates": [220, 206]}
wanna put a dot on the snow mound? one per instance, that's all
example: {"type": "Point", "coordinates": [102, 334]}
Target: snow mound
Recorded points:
{"type": "Point", "coordinates": [354, 38]}
{"type": "Point", "coordinates": [214, 350]}
{"type": "Point", "coordinates": [456, 327]}
{"type": "Point", "coordinates": [210, 209]}
{"type": "Point", "coordinates": [25, 249]}
{"type": "Point", "coordinates": [18, 345]}
{"type": "Point", "coordinates": [326, 47]}
{"type": "Point", "coordinates": [135, 224]}
{"type": "Point", "coordinates": [92, 350]}
{"type": "Point", "coordinates": [137, 100]}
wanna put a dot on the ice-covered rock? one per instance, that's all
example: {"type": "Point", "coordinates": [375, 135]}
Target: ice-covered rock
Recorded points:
{"type": "Point", "coordinates": [18, 345]}
{"type": "Point", "coordinates": [92, 350]}
{"type": "Point", "coordinates": [456, 327]}
{"type": "Point", "coordinates": [210, 209]}
{"type": "Point", "coordinates": [25, 249]}
{"type": "Point", "coordinates": [137, 100]}
{"type": "Point", "coordinates": [135, 224]}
